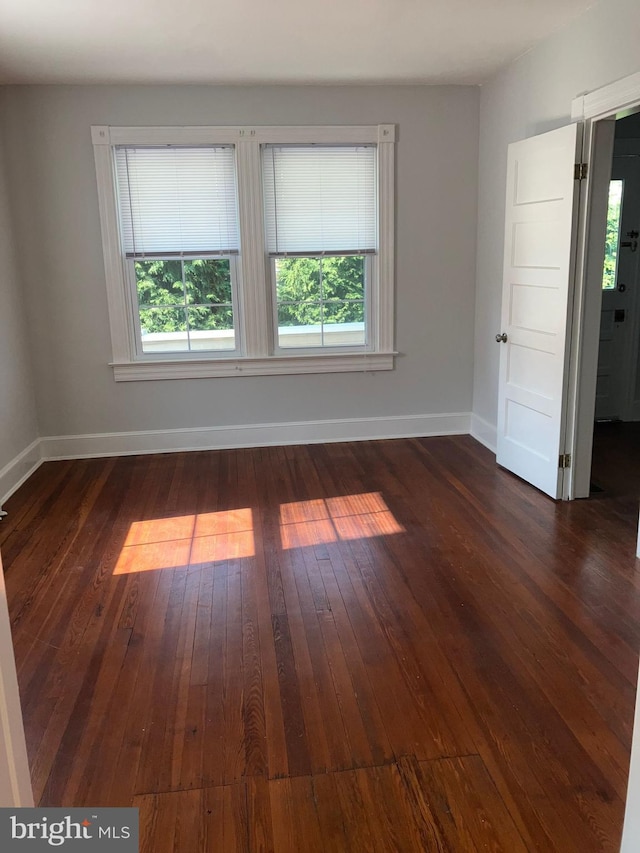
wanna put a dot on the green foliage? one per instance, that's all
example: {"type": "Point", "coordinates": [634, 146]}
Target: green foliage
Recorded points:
{"type": "Point", "coordinates": [311, 290]}
{"type": "Point", "coordinates": [612, 236]}
{"type": "Point", "coordinates": [169, 291]}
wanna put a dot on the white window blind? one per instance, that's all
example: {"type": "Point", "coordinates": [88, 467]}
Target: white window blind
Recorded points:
{"type": "Point", "coordinates": [177, 201]}
{"type": "Point", "coordinates": [319, 199]}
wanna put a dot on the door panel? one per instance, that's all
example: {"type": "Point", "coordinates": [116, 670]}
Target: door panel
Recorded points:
{"type": "Point", "coordinates": [538, 268]}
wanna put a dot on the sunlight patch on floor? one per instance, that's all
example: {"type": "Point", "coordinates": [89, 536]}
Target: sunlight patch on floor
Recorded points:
{"type": "Point", "coordinates": [187, 540]}
{"type": "Point", "coordinates": [348, 517]}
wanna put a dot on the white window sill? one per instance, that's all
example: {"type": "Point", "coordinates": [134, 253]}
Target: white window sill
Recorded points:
{"type": "Point", "coordinates": [348, 362]}
{"type": "Point", "coordinates": [218, 340]}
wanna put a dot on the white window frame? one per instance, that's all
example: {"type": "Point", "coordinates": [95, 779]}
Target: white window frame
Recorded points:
{"type": "Point", "coordinates": [236, 289]}
{"type": "Point", "coordinates": [369, 276]}
{"type": "Point", "coordinates": [254, 323]}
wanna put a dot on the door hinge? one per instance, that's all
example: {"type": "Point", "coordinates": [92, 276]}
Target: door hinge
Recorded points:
{"type": "Point", "coordinates": [564, 460]}
{"type": "Point", "coordinates": [580, 171]}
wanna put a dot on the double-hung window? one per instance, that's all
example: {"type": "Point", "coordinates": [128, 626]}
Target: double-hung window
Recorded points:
{"type": "Point", "coordinates": [321, 233]}
{"type": "Point", "coordinates": [247, 250]}
{"type": "Point", "coordinates": [180, 240]}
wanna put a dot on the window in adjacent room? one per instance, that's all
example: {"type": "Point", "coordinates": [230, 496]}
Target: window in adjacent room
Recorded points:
{"type": "Point", "coordinates": [612, 241]}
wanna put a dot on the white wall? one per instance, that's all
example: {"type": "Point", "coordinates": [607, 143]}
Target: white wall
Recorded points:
{"type": "Point", "coordinates": [53, 198]}
{"type": "Point", "coordinates": [18, 425]}
{"type": "Point", "coordinates": [531, 96]}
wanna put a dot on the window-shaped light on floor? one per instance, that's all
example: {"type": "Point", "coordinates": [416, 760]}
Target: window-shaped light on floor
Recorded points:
{"type": "Point", "coordinates": [187, 540]}
{"type": "Point", "coordinates": [343, 518]}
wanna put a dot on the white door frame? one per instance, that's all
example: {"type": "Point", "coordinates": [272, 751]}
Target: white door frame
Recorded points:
{"type": "Point", "coordinates": [593, 109]}
{"type": "Point", "coordinates": [15, 782]}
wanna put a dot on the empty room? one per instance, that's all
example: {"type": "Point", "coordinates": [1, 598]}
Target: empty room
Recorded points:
{"type": "Point", "coordinates": [319, 494]}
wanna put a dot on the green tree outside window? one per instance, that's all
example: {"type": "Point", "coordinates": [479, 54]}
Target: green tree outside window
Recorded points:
{"type": "Point", "coordinates": [612, 239]}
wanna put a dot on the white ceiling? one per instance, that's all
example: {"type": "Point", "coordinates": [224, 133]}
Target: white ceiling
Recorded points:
{"type": "Point", "coordinates": [270, 41]}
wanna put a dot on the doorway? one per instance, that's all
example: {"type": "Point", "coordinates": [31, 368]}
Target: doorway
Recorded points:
{"type": "Point", "coordinates": [618, 381]}
{"type": "Point", "coordinates": [614, 466]}
{"type": "Point", "coordinates": [611, 137]}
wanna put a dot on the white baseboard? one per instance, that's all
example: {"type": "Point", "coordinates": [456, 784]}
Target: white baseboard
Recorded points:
{"type": "Point", "coordinates": [484, 432]}
{"type": "Point", "coordinates": [13, 475]}
{"type": "Point", "coordinates": [252, 435]}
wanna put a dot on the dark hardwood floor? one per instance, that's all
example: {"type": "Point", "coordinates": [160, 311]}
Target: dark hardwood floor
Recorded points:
{"type": "Point", "coordinates": [616, 459]}
{"type": "Point", "coordinates": [352, 647]}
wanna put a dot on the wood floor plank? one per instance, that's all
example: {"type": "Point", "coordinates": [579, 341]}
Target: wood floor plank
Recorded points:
{"type": "Point", "coordinates": [403, 822]}
{"type": "Point", "coordinates": [401, 720]}
{"type": "Point", "coordinates": [262, 622]}
{"type": "Point", "coordinates": [213, 744]}
{"type": "Point", "coordinates": [233, 751]}
{"type": "Point", "coordinates": [323, 722]}
{"type": "Point", "coordinates": [176, 732]}
{"type": "Point", "coordinates": [367, 698]}
{"type": "Point", "coordinates": [294, 816]}
{"type": "Point", "coordinates": [197, 820]}
{"type": "Point", "coordinates": [442, 805]}
{"type": "Point", "coordinates": [158, 818]}
{"type": "Point", "coordinates": [330, 817]}
{"type": "Point", "coordinates": [154, 769]}
{"type": "Point", "coordinates": [334, 724]}
{"type": "Point", "coordinates": [259, 815]}
{"type": "Point", "coordinates": [470, 811]}
{"type": "Point", "coordinates": [255, 727]}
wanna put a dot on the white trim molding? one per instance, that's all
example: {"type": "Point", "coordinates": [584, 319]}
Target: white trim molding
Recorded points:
{"type": "Point", "coordinates": [15, 781]}
{"type": "Point", "coordinates": [260, 134]}
{"type": "Point", "coordinates": [607, 100]}
{"type": "Point", "coordinates": [484, 432]}
{"type": "Point", "coordinates": [253, 435]}
{"type": "Point", "coordinates": [19, 469]}
{"type": "Point", "coordinates": [349, 362]}
{"type": "Point", "coordinates": [258, 355]}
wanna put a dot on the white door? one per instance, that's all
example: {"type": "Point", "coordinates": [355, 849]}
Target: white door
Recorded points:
{"type": "Point", "coordinates": [617, 352]}
{"type": "Point", "coordinates": [15, 783]}
{"type": "Point", "coordinates": [542, 194]}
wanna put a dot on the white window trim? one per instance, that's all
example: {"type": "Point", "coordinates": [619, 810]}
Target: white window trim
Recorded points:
{"type": "Point", "coordinates": [236, 290]}
{"type": "Point", "coordinates": [255, 327]}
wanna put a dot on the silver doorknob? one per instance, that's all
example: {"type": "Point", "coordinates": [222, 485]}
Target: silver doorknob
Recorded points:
{"type": "Point", "coordinates": [501, 339]}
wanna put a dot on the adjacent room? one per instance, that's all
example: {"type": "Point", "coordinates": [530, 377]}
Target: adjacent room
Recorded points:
{"type": "Point", "coordinates": [319, 467]}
